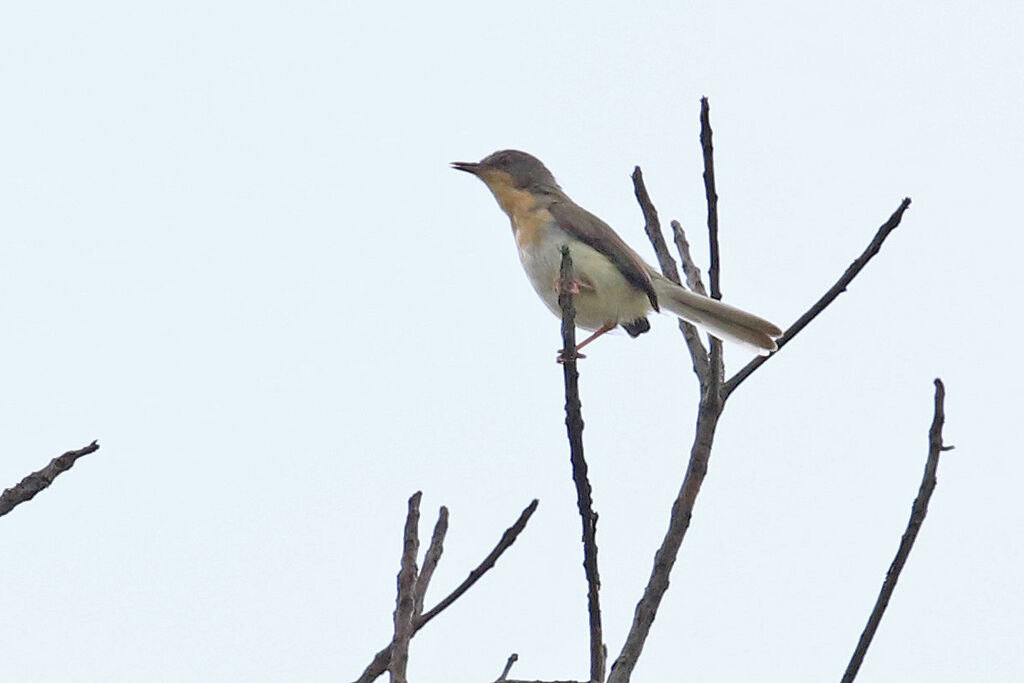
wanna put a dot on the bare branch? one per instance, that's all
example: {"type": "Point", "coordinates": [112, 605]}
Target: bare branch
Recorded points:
{"type": "Point", "coordinates": [714, 269]}
{"type": "Point", "coordinates": [507, 539]}
{"type": "Point", "coordinates": [28, 487]}
{"type": "Point", "coordinates": [652, 226]}
{"type": "Point", "coordinates": [690, 268]}
{"type": "Point", "coordinates": [512, 658]}
{"type": "Point", "coordinates": [380, 661]}
{"type": "Point", "coordinates": [682, 511]}
{"type": "Point", "coordinates": [431, 559]}
{"type": "Point", "coordinates": [917, 515]}
{"type": "Point", "coordinates": [406, 601]}
{"type": "Point", "coordinates": [584, 501]}
{"type": "Point", "coordinates": [711, 193]}
{"type": "Point", "coordinates": [838, 288]}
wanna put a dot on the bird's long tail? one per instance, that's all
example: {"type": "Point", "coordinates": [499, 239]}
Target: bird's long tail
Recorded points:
{"type": "Point", "coordinates": [720, 320]}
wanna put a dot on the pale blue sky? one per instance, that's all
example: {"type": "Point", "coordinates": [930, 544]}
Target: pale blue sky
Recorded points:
{"type": "Point", "coordinates": [232, 250]}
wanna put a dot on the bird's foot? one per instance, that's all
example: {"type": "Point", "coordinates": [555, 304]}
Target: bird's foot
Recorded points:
{"type": "Point", "coordinates": [562, 358]}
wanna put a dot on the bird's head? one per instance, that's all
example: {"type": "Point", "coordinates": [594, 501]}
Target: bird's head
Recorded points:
{"type": "Point", "coordinates": [512, 176]}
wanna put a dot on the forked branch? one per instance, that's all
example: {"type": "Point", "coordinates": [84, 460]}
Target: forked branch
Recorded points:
{"type": "Point", "coordinates": [381, 660]}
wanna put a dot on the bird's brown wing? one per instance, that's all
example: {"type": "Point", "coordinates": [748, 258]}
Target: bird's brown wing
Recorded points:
{"type": "Point", "coordinates": [598, 235]}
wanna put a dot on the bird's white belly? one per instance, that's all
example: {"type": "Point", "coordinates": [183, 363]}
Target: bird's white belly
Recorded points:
{"type": "Point", "coordinates": [606, 297]}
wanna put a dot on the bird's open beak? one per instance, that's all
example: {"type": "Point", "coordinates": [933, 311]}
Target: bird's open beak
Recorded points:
{"type": "Point", "coordinates": [467, 166]}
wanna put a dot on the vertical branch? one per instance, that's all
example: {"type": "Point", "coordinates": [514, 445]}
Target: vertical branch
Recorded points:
{"type": "Point", "coordinates": [690, 268]}
{"type": "Point", "coordinates": [714, 270]}
{"type": "Point", "coordinates": [574, 426]}
{"type": "Point", "coordinates": [430, 561]}
{"type": "Point", "coordinates": [406, 601]}
{"type": "Point", "coordinates": [917, 515]}
{"type": "Point", "coordinates": [711, 193]}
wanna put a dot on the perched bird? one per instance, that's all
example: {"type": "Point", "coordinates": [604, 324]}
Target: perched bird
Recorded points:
{"type": "Point", "coordinates": [614, 286]}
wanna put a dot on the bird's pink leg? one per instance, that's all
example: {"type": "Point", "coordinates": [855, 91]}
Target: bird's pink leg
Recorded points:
{"type": "Point", "coordinates": [574, 286]}
{"type": "Point", "coordinates": [608, 327]}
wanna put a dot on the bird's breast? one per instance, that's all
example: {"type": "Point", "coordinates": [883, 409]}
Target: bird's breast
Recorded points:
{"type": "Point", "coordinates": [605, 296]}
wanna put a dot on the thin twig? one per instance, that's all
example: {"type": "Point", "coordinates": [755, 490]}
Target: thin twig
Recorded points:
{"type": "Point", "coordinates": [380, 660]}
{"type": "Point", "coordinates": [406, 600]}
{"type": "Point", "coordinates": [716, 361]}
{"type": "Point", "coordinates": [652, 226]}
{"type": "Point", "coordinates": [690, 268]}
{"type": "Point", "coordinates": [28, 487]}
{"type": "Point", "coordinates": [584, 501]}
{"type": "Point", "coordinates": [917, 515]}
{"type": "Point", "coordinates": [838, 288]}
{"type": "Point", "coordinates": [512, 658]}
{"type": "Point", "coordinates": [430, 560]}
{"type": "Point", "coordinates": [711, 193]}
{"type": "Point", "coordinates": [507, 539]}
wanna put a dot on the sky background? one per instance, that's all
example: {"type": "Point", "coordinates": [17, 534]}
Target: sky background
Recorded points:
{"type": "Point", "coordinates": [231, 249]}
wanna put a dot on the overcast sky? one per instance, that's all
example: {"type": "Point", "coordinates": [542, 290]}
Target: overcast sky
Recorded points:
{"type": "Point", "coordinates": [232, 250]}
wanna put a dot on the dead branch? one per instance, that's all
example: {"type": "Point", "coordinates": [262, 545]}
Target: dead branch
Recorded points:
{"type": "Point", "coordinates": [584, 501]}
{"type": "Point", "coordinates": [28, 487]}
{"type": "Point", "coordinates": [716, 360]}
{"type": "Point", "coordinates": [431, 559]}
{"type": "Point", "coordinates": [713, 395]}
{"type": "Point", "coordinates": [406, 600]}
{"type": "Point", "coordinates": [827, 298]}
{"type": "Point", "coordinates": [917, 515]}
{"type": "Point", "coordinates": [380, 661]}
{"type": "Point", "coordinates": [652, 226]}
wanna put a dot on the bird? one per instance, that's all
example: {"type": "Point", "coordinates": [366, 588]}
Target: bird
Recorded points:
{"type": "Point", "coordinates": [612, 284]}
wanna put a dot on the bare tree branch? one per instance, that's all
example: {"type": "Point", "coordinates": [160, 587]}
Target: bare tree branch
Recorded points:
{"type": "Point", "coordinates": [708, 413]}
{"type": "Point", "coordinates": [380, 661]}
{"type": "Point", "coordinates": [716, 360]}
{"type": "Point", "coordinates": [713, 395]}
{"type": "Point", "coordinates": [28, 487]}
{"type": "Point", "coordinates": [711, 193]}
{"type": "Point", "coordinates": [584, 501]}
{"type": "Point", "coordinates": [507, 539]}
{"type": "Point", "coordinates": [690, 268]}
{"type": "Point", "coordinates": [406, 601]}
{"type": "Point", "coordinates": [838, 288]}
{"type": "Point", "coordinates": [652, 226]}
{"type": "Point", "coordinates": [682, 511]}
{"type": "Point", "coordinates": [430, 560]}
{"type": "Point", "coordinates": [917, 515]}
